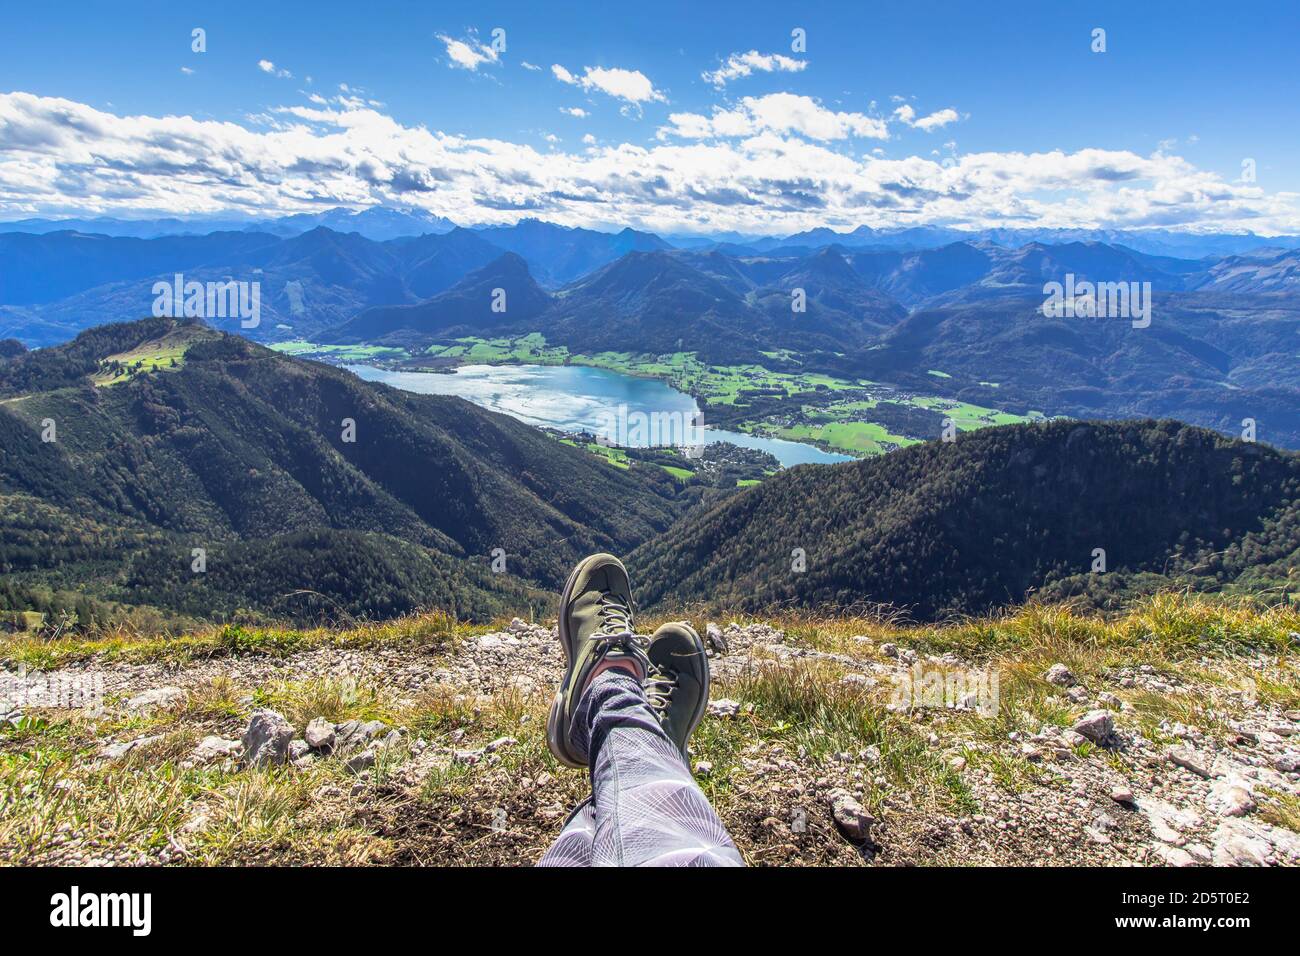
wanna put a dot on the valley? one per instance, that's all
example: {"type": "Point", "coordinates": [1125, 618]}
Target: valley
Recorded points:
{"type": "Point", "coordinates": [845, 417]}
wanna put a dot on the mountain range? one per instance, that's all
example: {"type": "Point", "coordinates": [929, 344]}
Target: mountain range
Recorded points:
{"type": "Point", "coordinates": [382, 223]}
{"type": "Point", "coordinates": [1220, 350]}
{"type": "Point", "coordinates": [376, 222]}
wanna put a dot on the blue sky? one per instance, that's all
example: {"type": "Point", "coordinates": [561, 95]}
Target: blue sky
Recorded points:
{"type": "Point", "coordinates": [1031, 122]}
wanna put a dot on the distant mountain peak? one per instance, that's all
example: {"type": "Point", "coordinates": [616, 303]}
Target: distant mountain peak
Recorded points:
{"type": "Point", "coordinates": [508, 265]}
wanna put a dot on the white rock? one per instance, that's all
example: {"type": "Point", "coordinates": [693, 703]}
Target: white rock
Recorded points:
{"type": "Point", "coordinates": [362, 761]}
{"type": "Point", "coordinates": [320, 734]}
{"type": "Point", "coordinates": [1230, 799]}
{"type": "Point", "coordinates": [499, 743]}
{"type": "Point", "coordinates": [1237, 850]}
{"type": "Point", "coordinates": [1199, 852]}
{"type": "Point", "coordinates": [266, 741]}
{"type": "Point", "coordinates": [1188, 760]}
{"type": "Point", "coordinates": [1122, 795]}
{"type": "Point", "coordinates": [1164, 832]}
{"type": "Point", "coordinates": [1096, 725]}
{"type": "Point", "coordinates": [354, 734]}
{"type": "Point", "coordinates": [714, 639]}
{"type": "Point", "coordinates": [1059, 675]}
{"type": "Point", "coordinates": [724, 707]}
{"type": "Point", "coordinates": [849, 814]}
{"type": "Point", "coordinates": [1173, 856]}
{"type": "Point", "coordinates": [491, 642]}
{"type": "Point", "coordinates": [215, 748]}
{"type": "Point", "coordinates": [157, 697]}
{"type": "Point", "coordinates": [703, 768]}
{"type": "Point", "coordinates": [1288, 761]}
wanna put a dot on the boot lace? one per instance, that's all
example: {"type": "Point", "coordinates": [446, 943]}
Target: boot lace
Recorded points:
{"type": "Point", "coordinates": [616, 629]}
{"type": "Point", "coordinates": [659, 687]}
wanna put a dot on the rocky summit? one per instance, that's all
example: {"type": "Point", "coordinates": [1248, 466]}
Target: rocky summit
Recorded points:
{"type": "Point", "coordinates": [1170, 737]}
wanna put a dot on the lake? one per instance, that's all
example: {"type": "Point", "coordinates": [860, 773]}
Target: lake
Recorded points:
{"type": "Point", "coordinates": [577, 398]}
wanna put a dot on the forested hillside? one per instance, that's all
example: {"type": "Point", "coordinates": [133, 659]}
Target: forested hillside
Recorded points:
{"type": "Point", "coordinates": [169, 437]}
{"type": "Point", "coordinates": [991, 518]}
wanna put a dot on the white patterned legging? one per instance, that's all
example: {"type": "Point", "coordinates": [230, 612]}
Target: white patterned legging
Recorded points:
{"type": "Point", "coordinates": [645, 807]}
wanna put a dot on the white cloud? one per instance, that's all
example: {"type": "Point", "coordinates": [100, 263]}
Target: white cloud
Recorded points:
{"type": "Point", "coordinates": [187, 71]}
{"type": "Point", "coordinates": [266, 66]}
{"type": "Point", "coordinates": [740, 65]}
{"type": "Point", "coordinates": [907, 115]}
{"type": "Point", "coordinates": [937, 119]}
{"type": "Point", "coordinates": [63, 157]}
{"type": "Point", "coordinates": [577, 111]}
{"type": "Point", "coordinates": [529, 66]}
{"type": "Point", "coordinates": [630, 85]}
{"type": "Point", "coordinates": [468, 54]}
{"type": "Point", "coordinates": [778, 113]}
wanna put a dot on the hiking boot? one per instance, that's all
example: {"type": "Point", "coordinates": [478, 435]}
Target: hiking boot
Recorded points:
{"type": "Point", "coordinates": [677, 687]}
{"type": "Point", "coordinates": [596, 629]}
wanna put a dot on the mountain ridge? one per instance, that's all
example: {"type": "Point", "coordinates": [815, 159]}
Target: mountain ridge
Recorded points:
{"type": "Point", "coordinates": [241, 451]}
{"type": "Point", "coordinates": [968, 526]}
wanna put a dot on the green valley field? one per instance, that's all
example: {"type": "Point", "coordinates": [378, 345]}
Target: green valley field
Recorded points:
{"type": "Point", "coordinates": [854, 417]}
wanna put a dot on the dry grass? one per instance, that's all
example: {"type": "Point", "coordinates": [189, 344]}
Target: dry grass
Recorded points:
{"type": "Point", "coordinates": [53, 788]}
{"type": "Point", "coordinates": [1280, 809]}
{"type": "Point", "coordinates": [432, 631]}
{"type": "Point", "coordinates": [1169, 626]}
